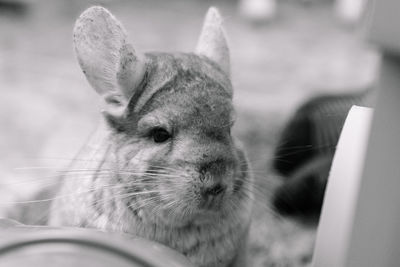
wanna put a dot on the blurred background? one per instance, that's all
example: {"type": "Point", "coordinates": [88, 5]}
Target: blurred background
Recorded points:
{"type": "Point", "coordinates": [280, 58]}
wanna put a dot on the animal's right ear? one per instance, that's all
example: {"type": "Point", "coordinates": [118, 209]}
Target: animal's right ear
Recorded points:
{"type": "Point", "coordinates": [112, 67]}
{"type": "Point", "coordinates": [212, 41]}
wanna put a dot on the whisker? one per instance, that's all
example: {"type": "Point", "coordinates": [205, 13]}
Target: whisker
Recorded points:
{"type": "Point", "coordinates": [112, 186]}
{"type": "Point", "coordinates": [87, 175]}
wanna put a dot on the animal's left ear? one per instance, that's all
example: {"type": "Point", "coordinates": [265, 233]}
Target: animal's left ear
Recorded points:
{"type": "Point", "coordinates": [212, 42]}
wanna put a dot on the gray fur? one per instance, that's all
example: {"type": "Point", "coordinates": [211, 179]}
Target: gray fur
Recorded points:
{"type": "Point", "coordinates": [156, 190]}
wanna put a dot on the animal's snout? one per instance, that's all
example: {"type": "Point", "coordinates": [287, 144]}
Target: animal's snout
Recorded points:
{"type": "Point", "coordinates": [212, 177]}
{"type": "Point", "coordinates": [213, 168]}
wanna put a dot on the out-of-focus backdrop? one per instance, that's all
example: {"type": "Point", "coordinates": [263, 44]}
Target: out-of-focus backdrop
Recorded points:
{"type": "Point", "coordinates": [47, 108]}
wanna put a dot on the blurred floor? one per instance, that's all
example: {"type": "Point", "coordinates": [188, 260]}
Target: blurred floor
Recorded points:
{"type": "Point", "coordinates": [47, 108]}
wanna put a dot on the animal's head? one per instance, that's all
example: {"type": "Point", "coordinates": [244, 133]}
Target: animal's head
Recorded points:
{"type": "Point", "coordinates": [171, 117]}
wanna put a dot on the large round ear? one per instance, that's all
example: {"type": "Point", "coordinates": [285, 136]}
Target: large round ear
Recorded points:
{"type": "Point", "coordinates": [112, 67]}
{"type": "Point", "coordinates": [212, 42]}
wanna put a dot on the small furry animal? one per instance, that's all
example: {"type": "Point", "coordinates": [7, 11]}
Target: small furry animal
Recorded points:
{"type": "Point", "coordinates": [163, 165]}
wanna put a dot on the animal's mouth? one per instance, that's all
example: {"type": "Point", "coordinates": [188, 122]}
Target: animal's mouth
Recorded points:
{"type": "Point", "coordinates": [212, 202]}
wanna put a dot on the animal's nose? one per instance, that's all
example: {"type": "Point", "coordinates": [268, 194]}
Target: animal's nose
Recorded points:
{"type": "Point", "coordinates": [215, 167]}
{"type": "Point", "coordinates": [214, 190]}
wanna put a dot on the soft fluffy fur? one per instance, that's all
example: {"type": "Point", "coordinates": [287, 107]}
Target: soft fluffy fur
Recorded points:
{"type": "Point", "coordinates": [127, 182]}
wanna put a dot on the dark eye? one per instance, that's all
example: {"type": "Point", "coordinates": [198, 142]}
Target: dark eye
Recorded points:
{"type": "Point", "coordinates": [160, 135]}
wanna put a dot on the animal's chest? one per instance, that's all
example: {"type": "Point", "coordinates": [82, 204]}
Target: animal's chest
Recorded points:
{"type": "Point", "coordinates": [213, 246]}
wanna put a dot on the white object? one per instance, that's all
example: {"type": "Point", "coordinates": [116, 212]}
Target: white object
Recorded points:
{"type": "Point", "coordinates": [350, 11]}
{"type": "Point", "coordinates": [360, 223]}
{"type": "Point", "coordinates": [368, 234]}
{"type": "Point", "coordinates": [257, 10]}
{"type": "Point", "coordinates": [342, 190]}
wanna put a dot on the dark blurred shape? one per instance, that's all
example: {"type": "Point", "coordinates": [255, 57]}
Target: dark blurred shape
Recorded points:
{"type": "Point", "coordinates": [301, 196]}
{"type": "Point", "coordinates": [14, 7]}
{"type": "Point", "coordinates": [305, 151]}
